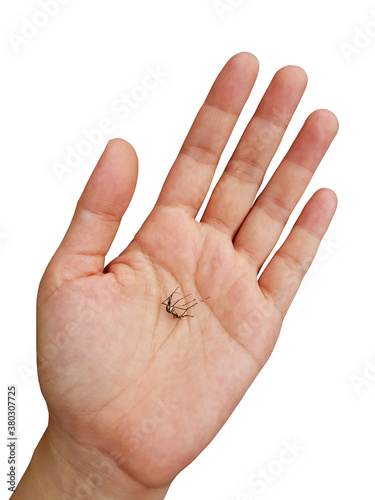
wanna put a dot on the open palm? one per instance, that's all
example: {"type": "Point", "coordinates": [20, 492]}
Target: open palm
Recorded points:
{"type": "Point", "coordinates": [118, 372]}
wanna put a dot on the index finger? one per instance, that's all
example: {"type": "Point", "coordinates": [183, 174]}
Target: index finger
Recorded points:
{"type": "Point", "coordinates": [190, 177]}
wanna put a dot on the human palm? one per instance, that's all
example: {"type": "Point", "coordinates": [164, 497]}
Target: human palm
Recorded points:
{"type": "Point", "coordinates": [118, 372]}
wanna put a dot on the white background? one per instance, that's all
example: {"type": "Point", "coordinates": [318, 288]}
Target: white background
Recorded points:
{"type": "Point", "coordinates": [66, 78]}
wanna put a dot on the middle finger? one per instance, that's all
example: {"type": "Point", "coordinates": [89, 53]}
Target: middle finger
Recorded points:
{"type": "Point", "coordinates": [236, 190]}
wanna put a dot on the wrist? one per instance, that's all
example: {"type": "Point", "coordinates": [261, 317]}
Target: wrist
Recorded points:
{"type": "Point", "coordinates": [62, 469]}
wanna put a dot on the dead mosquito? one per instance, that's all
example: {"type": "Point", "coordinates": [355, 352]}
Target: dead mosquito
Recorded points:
{"type": "Point", "coordinates": [171, 308]}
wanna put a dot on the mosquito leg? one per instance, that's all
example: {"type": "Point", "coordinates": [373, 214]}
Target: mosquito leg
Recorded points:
{"type": "Point", "coordinates": [187, 308]}
{"type": "Point", "coordinates": [182, 298]}
{"type": "Point", "coordinates": [187, 303]}
{"type": "Point", "coordinates": [190, 301]}
{"type": "Point", "coordinates": [203, 300]}
{"type": "Point", "coordinates": [165, 302]}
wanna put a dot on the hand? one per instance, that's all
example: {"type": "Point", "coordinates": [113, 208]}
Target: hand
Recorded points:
{"type": "Point", "coordinates": [119, 374]}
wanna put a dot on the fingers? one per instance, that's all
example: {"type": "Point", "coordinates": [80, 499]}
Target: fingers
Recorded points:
{"type": "Point", "coordinates": [98, 213]}
{"type": "Point", "coordinates": [190, 177]}
{"type": "Point", "coordinates": [263, 226]}
{"type": "Point", "coordinates": [283, 275]}
{"type": "Point", "coordinates": [235, 192]}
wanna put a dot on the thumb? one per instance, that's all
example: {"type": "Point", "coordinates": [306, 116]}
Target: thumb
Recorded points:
{"type": "Point", "coordinates": [98, 214]}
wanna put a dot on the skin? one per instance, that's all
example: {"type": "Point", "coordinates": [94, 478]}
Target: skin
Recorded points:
{"type": "Point", "coordinates": [133, 394]}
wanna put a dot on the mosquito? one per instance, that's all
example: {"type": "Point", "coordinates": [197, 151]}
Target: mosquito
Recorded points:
{"type": "Point", "coordinates": [171, 308]}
